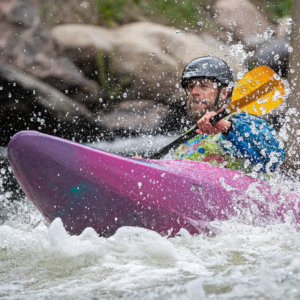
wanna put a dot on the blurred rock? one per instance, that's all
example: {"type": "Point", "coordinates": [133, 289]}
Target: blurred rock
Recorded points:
{"type": "Point", "coordinates": [135, 116]}
{"type": "Point", "coordinates": [276, 117]}
{"type": "Point", "coordinates": [284, 29]}
{"type": "Point", "coordinates": [67, 12]}
{"type": "Point", "coordinates": [29, 103]}
{"type": "Point", "coordinates": [27, 46]}
{"type": "Point", "coordinates": [83, 43]}
{"type": "Point", "coordinates": [274, 54]}
{"type": "Point", "coordinates": [145, 60]}
{"type": "Point", "coordinates": [152, 58]}
{"type": "Point", "coordinates": [243, 21]}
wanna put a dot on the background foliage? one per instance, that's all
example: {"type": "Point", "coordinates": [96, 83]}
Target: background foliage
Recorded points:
{"type": "Point", "coordinates": [176, 13]}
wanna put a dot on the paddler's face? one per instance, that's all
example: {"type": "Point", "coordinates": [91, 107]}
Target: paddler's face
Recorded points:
{"type": "Point", "coordinates": [202, 93]}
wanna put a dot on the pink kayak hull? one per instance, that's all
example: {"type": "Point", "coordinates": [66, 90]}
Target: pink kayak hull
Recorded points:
{"type": "Point", "coordinates": [86, 187]}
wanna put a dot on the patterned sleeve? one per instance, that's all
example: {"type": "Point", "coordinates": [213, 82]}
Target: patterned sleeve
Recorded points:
{"type": "Point", "coordinates": [256, 140]}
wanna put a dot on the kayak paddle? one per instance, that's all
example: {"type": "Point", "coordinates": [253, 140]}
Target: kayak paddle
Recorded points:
{"type": "Point", "coordinates": [257, 93]}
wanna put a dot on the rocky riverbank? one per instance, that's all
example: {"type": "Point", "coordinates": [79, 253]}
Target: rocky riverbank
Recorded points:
{"type": "Point", "coordinates": [89, 82]}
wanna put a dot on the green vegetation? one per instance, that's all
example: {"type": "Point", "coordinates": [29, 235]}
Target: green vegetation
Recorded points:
{"type": "Point", "coordinates": [112, 12]}
{"type": "Point", "coordinates": [175, 13]}
{"type": "Point", "coordinates": [279, 8]}
{"type": "Point", "coordinates": [106, 77]}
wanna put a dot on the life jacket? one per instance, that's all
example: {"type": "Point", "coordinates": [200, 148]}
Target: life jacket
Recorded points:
{"type": "Point", "coordinates": [251, 147]}
{"type": "Point", "coordinates": [213, 149]}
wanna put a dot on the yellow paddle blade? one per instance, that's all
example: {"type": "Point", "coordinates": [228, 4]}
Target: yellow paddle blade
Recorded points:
{"type": "Point", "coordinates": [258, 92]}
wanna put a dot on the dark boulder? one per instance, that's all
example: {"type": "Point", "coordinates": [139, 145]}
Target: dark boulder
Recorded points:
{"type": "Point", "coordinates": [27, 103]}
{"type": "Point", "coordinates": [274, 54]}
{"type": "Point", "coordinates": [32, 49]}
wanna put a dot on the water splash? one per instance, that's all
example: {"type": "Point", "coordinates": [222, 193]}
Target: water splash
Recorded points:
{"type": "Point", "coordinates": [137, 263]}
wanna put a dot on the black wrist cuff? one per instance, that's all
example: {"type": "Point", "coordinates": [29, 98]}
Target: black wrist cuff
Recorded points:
{"type": "Point", "coordinates": [231, 127]}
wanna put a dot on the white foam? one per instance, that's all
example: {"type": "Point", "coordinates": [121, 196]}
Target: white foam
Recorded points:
{"type": "Point", "coordinates": [137, 263]}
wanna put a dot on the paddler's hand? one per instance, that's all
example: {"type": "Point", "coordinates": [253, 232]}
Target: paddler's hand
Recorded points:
{"type": "Point", "coordinates": [137, 157]}
{"type": "Point", "coordinates": [205, 127]}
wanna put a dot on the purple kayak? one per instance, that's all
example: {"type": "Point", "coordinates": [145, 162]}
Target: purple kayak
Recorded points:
{"type": "Point", "coordinates": [86, 187]}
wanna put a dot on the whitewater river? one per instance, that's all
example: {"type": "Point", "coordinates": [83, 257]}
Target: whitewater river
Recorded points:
{"type": "Point", "coordinates": [42, 261]}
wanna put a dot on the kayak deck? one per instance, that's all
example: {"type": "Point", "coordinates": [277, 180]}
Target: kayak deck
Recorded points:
{"type": "Point", "coordinates": [86, 187]}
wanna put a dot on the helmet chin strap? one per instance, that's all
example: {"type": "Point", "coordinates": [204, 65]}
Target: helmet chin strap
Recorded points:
{"type": "Point", "coordinates": [218, 96]}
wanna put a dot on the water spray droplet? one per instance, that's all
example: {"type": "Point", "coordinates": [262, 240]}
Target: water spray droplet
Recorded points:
{"type": "Point", "coordinates": [276, 76]}
{"type": "Point", "coordinates": [289, 21]}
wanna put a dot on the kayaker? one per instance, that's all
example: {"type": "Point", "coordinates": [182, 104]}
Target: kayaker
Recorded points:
{"type": "Point", "coordinates": [240, 141]}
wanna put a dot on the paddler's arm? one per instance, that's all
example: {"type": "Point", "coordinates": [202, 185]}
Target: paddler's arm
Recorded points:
{"type": "Point", "coordinates": [256, 140]}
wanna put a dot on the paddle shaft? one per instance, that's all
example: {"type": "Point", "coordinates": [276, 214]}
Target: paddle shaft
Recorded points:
{"type": "Point", "coordinates": [187, 136]}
